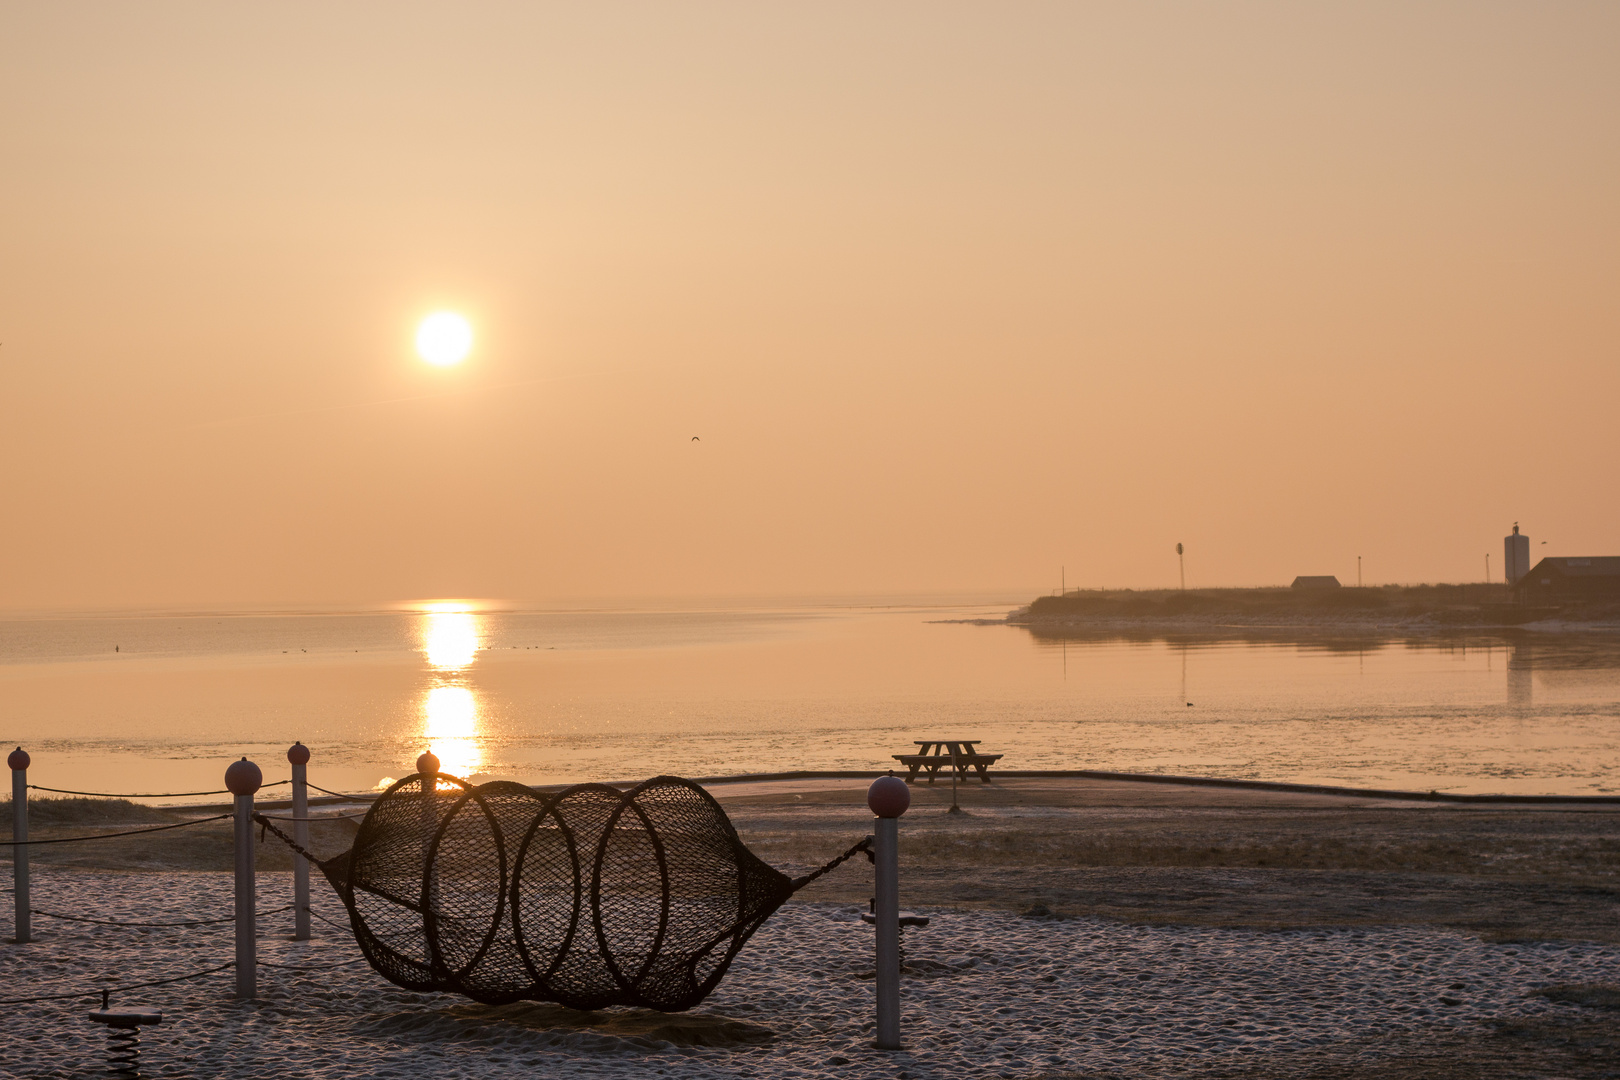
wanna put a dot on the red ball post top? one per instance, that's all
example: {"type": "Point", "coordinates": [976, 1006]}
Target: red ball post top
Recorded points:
{"type": "Point", "coordinates": [18, 760]}
{"type": "Point", "coordinates": [888, 796]}
{"type": "Point", "coordinates": [243, 777]}
{"type": "Point", "coordinates": [427, 764]}
{"type": "Point", "coordinates": [298, 754]}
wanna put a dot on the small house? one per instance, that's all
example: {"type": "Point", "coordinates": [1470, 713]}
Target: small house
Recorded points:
{"type": "Point", "coordinates": [1320, 581]}
{"type": "Point", "coordinates": [1570, 580]}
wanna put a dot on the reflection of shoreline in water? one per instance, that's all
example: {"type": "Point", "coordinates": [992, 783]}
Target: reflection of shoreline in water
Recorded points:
{"type": "Point", "coordinates": [1561, 652]}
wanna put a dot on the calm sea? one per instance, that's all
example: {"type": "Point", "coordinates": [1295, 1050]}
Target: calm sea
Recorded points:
{"type": "Point", "coordinates": [151, 703]}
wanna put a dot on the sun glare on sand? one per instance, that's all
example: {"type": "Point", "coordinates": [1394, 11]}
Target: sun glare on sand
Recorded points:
{"type": "Point", "coordinates": [444, 338]}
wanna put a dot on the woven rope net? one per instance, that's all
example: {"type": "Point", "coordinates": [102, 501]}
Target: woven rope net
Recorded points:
{"type": "Point", "coordinates": [589, 897]}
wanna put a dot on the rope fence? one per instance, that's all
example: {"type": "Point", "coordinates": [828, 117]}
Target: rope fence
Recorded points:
{"type": "Point", "coordinates": [312, 967]}
{"type": "Point", "coordinates": [242, 780]}
{"type": "Point", "coordinates": [370, 797]}
{"type": "Point", "coordinates": [103, 994]}
{"type": "Point", "coordinates": [329, 922]}
{"type": "Point", "coordinates": [112, 836]}
{"type": "Point", "coordinates": [149, 795]}
{"type": "Point", "coordinates": [186, 924]}
{"type": "Point", "coordinates": [264, 823]}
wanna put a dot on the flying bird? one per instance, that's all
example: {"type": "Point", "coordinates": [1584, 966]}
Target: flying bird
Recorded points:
{"type": "Point", "coordinates": [696, 439]}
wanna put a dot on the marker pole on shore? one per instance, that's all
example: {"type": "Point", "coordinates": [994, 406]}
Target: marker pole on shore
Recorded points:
{"type": "Point", "coordinates": [298, 756]}
{"type": "Point", "coordinates": [888, 798]}
{"type": "Point", "coordinates": [19, 853]}
{"type": "Point", "coordinates": [244, 778]}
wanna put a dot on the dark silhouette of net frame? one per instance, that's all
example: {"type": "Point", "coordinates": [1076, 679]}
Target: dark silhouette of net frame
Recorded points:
{"type": "Point", "coordinates": [589, 897]}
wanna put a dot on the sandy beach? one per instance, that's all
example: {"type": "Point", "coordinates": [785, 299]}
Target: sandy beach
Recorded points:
{"type": "Point", "coordinates": [1080, 928]}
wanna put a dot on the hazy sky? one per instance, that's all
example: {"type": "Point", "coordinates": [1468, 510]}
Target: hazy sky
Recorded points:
{"type": "Point", "coordinates": [953, 294]}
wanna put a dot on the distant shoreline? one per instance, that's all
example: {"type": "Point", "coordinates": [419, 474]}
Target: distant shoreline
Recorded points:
{"type": "Point", "coordinates": [1324, 626]}
{"type": "Point", "coordinates": [1406, 610]}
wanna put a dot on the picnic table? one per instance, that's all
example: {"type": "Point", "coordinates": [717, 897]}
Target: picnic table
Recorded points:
{"type": "Point", "coordinates": [935, 754]}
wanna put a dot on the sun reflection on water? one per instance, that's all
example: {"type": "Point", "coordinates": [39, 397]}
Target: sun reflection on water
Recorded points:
{"type": "Point", "coordinates": [450, 725]}
{"type": "Point", "coordinates": [451, 634]}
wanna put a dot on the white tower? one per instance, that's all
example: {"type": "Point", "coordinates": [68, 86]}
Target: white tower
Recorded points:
{"type": "Point", "coordinates": [1516, 550]}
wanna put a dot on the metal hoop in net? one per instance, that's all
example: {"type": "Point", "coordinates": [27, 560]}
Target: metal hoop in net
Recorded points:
{"type": "Point", "coordinates": [590, 897]}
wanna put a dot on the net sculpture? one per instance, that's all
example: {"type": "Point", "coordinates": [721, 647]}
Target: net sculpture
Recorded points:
{"type": "Point", "coordinates": [589, 897]}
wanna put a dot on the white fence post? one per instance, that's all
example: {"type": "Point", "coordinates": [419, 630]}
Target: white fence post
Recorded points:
{"type": "Point", "coordinates": [244, 778]}
{"type": "Point", "coordinates": [19, 852]}
{"type": "Point", "coordinates": [888, 798]}
{"type": "Point", "coordinates": [298, 755]}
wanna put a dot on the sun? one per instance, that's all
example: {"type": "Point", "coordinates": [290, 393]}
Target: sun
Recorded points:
{"type": "Point", "coordinates": [444, 338]}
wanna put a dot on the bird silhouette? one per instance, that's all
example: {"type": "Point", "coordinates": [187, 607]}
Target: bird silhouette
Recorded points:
{"type": "Point", "coordinates": [696, 439]}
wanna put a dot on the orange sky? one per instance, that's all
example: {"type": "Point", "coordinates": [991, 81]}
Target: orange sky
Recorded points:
{"type": "Point", "coordinates": [954, 295]}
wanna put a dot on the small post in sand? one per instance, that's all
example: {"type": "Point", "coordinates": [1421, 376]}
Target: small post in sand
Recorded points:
{"type": "Point", "coordinates": [19, 852]}
{"type": "Point", "coordinates": [888, 798]}
{"type": "Point", "coordinates": [243, 778]}
{"type": "Point", "coordinates": [298, 755]}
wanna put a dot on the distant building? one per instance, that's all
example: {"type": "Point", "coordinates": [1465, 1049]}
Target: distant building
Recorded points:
{"type": "Point", "coordinates": [1321, 581]}
{"type": "Point", "coordinates": [1516, 548]}
{"type": "Point", "coordinates": [1564, 581]}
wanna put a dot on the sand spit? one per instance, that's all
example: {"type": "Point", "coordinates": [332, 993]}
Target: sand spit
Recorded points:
{"type": "Point", "coordinates": [1282, 628]}
{"type": "Point", "coordinates": [990, 994]}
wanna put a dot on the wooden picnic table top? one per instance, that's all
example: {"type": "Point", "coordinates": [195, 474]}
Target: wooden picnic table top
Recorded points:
{"type": "Point", "coordinates": [939, 745]}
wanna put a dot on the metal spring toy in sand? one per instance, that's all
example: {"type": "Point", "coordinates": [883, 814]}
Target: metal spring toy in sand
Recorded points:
{"type": "Point", "coordinates": [588, 897]}
{"type": "Point", "coordinates": [124, 1037]}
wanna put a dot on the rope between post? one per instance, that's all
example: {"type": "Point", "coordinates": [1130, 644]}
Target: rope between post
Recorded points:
{"type": "Point", "coordinates": [114, 835]}
{"type": "Point", "coordinates": [311, 967]}
{"type": "Point", "coordinates": [341, 795]}
{"type": "Point", "coordinates": [265, 823]}
{"type": "Point", "coordinates": [118, 989]}
{"type": "Point", "coordinates": [329, 922]}
{"type": "Point", "coordinates": [864, 845]}
{"type": "Point", "coordinates": [187, 924]}
{"type": "Point", "coordinates": [150, 795]}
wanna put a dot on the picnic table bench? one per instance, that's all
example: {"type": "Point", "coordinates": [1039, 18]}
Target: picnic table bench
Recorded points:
{"type": "Point", "coordinates": [935, 754]}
